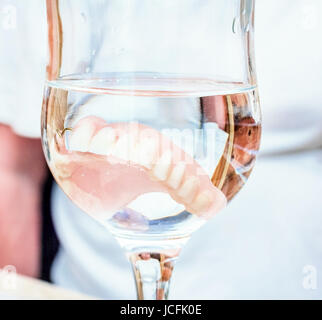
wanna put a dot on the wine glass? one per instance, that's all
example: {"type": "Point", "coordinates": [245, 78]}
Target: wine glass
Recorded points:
{"type": "Point", "coordinates": [151, 120]}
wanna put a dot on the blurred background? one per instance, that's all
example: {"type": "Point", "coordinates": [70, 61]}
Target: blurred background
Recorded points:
{"type": "Point", "coordinates": [267, 244]}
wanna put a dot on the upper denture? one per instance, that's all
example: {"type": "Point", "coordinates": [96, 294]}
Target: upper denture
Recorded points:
{"type": "Point", "coordinates": [153, 164]}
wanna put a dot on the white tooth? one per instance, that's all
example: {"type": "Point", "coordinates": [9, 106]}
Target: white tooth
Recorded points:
{"type": "Point", "coordinates": [145, 153]}
{"type": "Point", "coordinates": [188, 189]}
{"type": "Point", "coordinates": [121, 150]}
{"type": "Point", "coordinates": [202, 201]}
{"type": "Point", "coordinates": [103, 141]}
{"type": "Point", "coordinates": [132, 146]}
{"type": "Point", "coordinates": [162, 167]}
{"type": "Point", "coordinates": [176, 175]}
{"type": "Point", "coordinates": [81, 137]}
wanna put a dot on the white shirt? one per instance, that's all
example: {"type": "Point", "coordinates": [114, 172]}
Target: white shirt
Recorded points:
{"type": "Point", "coordinates": [22, 64]}
{"type": "Point", "coordinates": [289, 57]}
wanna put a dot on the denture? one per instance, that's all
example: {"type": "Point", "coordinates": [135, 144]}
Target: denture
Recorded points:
{"type": "Point", "coordinates": [113, 164]}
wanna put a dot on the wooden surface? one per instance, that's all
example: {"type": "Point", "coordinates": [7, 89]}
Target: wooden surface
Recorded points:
{"type": "Point", "coordinates": [13, 286]}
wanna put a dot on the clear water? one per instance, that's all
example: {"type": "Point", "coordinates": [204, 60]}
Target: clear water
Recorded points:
{"type": "Point", "coordinates": [150, 156]}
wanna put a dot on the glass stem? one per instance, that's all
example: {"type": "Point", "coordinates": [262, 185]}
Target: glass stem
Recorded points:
{"type": "Point", "coordinates": [152, 272]}
{"type": "Point", "coordinates": [152, 263]}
